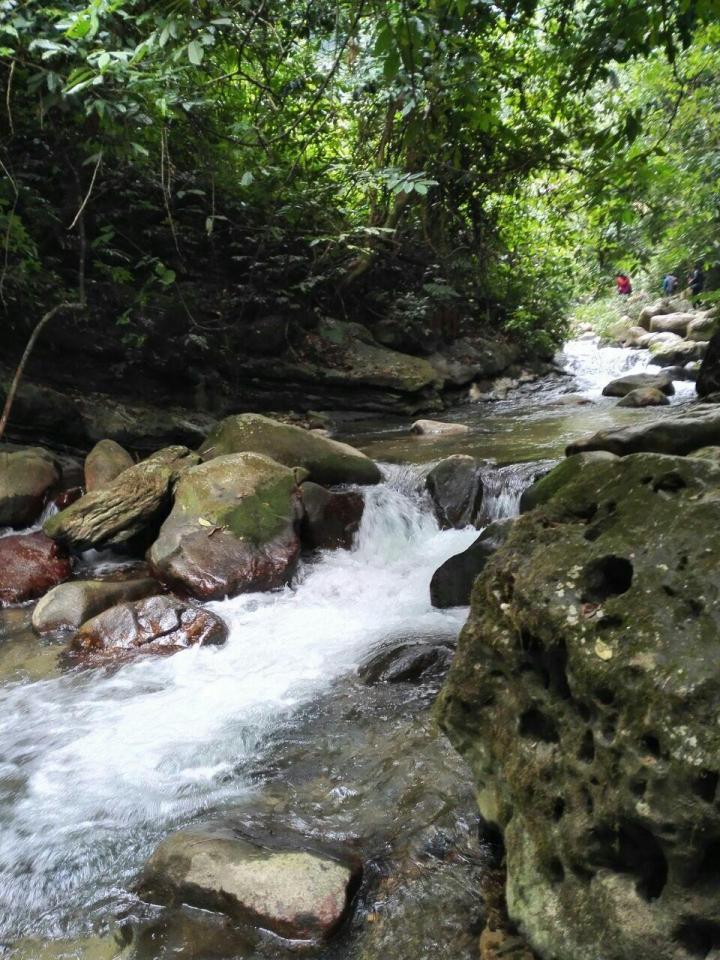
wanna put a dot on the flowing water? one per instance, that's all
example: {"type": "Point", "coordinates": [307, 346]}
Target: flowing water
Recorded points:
{"type": "Point", "coordinates": [97, 766]}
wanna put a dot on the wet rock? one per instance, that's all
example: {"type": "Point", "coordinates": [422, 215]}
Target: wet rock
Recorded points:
{"type": "Point", "coordinates": [676, 433]}
{"type": "Point", "coordinates": [456, 489]}
{"type": "Point", "coordinates": [452, 583]}
{"type": "Point", "coordinates": [327, 462]}
{"type": "Point", "coordinates": [233, 528]}
{"type": "Point", "coordinates": [708, 380]}
{"type": "Point", "coordinates": [634, 381]}
{"type": "Point", "coordinates": [567, 470]}
{"type": "Point", "coordinates": [155, 625]}
{"type": "Point", "coordinates": [671, 323]}
{"type": "Point", "coordinates": [584, 696]}
{"type": "Point", "coordinates": [26, 479]}
{"type": "Point", "coordinates": [104, 463]}
{"type": "Point", "coordinates": [644, 397]}
{"type": "Point", "coordinates": [296, 894]}
{"type": "Point", "coordinates": [707, 453]}
{"type": "Point", "coordinates": [30, 564]}
{"type": "Point", "coordinates": [406, 663]}
{"type": "Point", "coordinates": [331, 518]}
{"type": "Point", "coordinates": [438, 428]}
{"type": "Point", "coordinates": [66, 497]}
{"type": "Point", "coordinates": [686, 373]}
{"type": "Point", "coordinates": [69, 605]}
{"type": "Point", "coordinates": [678, 353]}
{"type": "Point", "coordinates": [126, 508]}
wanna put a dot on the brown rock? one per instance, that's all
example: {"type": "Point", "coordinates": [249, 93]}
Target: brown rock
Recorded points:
{"type": "Point", "coordinates": [158, 625]}
{"type": "Point", "coordinates": [331, 518]}
{"type": "Point", "coordinates": [644, 397]}
{"type": "Point", "coordinates": [30, 564]}
{"type": "Point", "coordinates": [106, 460]}
{"type": "Point", "coordinates": [26, 479]}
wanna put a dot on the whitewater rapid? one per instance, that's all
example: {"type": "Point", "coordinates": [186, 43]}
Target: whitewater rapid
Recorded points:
{"type": "Point", "coordinates": [96, 767]}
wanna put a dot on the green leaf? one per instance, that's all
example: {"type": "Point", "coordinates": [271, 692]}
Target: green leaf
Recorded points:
{"type": "Point", "coordinates": [246, 179]}
{"type": "Point", "coordinates": [195, 52]}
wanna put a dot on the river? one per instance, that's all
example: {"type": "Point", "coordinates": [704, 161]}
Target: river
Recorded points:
{"type": "Point", "coordinates": [274, 730]}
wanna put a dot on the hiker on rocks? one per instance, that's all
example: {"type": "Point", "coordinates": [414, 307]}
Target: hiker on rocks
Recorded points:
{"type": "Point", "coordinates": [669, 284]}
{"type": "Point", "coordinates": [696, 281]}
{"type": "Point", "coordinates": [624, 287]}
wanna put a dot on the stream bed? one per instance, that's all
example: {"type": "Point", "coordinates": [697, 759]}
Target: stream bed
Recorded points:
{"type": "Point", "coordinates": [277, 732]}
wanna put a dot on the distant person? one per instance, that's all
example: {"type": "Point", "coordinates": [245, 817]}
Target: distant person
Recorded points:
{"type": "Point", "coordinates": [696, 281]}
{"type": "Point", "coordinates": [669, 284]}
{"type": "Point", "coordinates": [624, 287]}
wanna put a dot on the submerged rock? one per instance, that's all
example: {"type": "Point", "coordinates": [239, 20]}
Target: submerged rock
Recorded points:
{"type": "Point", "coordinates": [637, 381]}
{"type": "Point", "coordinates": [129, 507]}
{"type": "Point", "coordinates": [408, 662]}
{"type": "Point", "coordinates": [438, 428]}
{"type": "Point", "coordinates": [30, 564]}
{"type": "Point", "coordinates": [456, 489]}
{"type": "Point", "coordinates": [644, 397]}
{"type": "Point", "coordinates": [584, 695]}
{"type": "Point", "coordinates": [155, 625]}
{"type": "Point", "coordinates": [69, 605]}
{"type": "Point", "coordinates": [327, 461]}
{"type": "Point", "coordinates": [106, 460]}
{"type": "Point", "coordinates": [296, 894]}
{"type": "Point", "coordinates": [26, 479]}
{"type": "Point", "coordinates": [676, 433]}
{"type": "Point", "coordinates": [452, 583]}
{"type": "Point", "coordinates": [331, 518]}
{"type": "Point", "coordinates": [233, 528]}
{"type": "Point", "coordinates": [708, 380]}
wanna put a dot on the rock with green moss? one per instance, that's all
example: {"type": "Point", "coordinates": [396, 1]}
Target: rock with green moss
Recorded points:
{"type": "Point", "coordinates": [677, 433]}
{"type": "Point", "coordinates": [585, 696]}
{"type": "Point", "coordinates": [27, 478]}
{"type": "Point", "coordinates": [326, 461]}
{"type": "Point", "coordinates": [565, 472]}
{"type": "Point", "coordinates": [233, 528]}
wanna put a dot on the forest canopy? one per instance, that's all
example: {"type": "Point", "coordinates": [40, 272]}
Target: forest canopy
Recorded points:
{"type": "Point", "coordinates": [390, 161]}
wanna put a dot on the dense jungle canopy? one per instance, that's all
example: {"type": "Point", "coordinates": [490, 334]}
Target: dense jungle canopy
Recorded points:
{"type": "Point", "coordinates": [188, 168]}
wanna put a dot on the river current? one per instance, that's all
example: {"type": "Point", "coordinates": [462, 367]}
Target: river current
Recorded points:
{"type": "Point", "coordinates": [96, 767]}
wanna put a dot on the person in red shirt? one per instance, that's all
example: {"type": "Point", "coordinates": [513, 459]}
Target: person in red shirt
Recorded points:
{"type": "Point", "coordinates": [624, 287]}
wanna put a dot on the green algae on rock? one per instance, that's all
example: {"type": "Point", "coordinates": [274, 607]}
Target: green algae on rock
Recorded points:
{"type": "Point", "coordinates": [584, 695]}
{"type": "Point", "coordinates": [326, 461]}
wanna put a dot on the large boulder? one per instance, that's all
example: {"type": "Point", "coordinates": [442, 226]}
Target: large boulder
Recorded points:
{"type": "Point", "coordinates": [296, 894]}
{"type": "Point", "coordinates": [130, 506]}
{"type": "Point", "coordinates": [651, 310]}
{"type": "Point", "coordinates": [456, 489]}
{"type": "Point", "coordinates": [106, 460]}
{"type": "Point", "coordinates": [584, 695]}
{"type": "Point", "coordinates": [27, 478]}
{"type": "Point", "coordinates": [155, 625]}
{"type": "Point", "coordinates": [649, 339]}
{"type": "Point", "coordinates": [233, 528]}
{"type": "Point", "coordinates": [670, 355]}
{"type": "Point", "coordinates": [30, 564]}
{"type": "Point", "coordinates": [452, 582]}
{"type": "Point", "coordinates": [676, 433]}
{"type": "Point", "coordinates": [672, 323]}
{"type": "Point", "coordinates": [644, 397]}
{"type": "Point", "coordinates": [704, 326]}
{"type": "Point", "coordinates": [635, 381]}
{"type": "Point", "coordinates": [69, 605]}
{"type": "Point", "coordinates": [566, 471]}
{"type": "Point", "coordinates": [327, 461]}
{"type": "Point", "coordinates": [708, 380]}
{"type": "Point", "coordinates": [331, 518]}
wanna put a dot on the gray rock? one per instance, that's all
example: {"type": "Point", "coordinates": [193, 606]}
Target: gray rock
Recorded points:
{"type": "Point", "coordinates": [406, 663]}
{"type": "Point", "coordinates": [584, 695]}
{"type": "Point", "coordinates": [106, 460]}
{"type": "Point", "coordinates": [651, 339]}
{"type": "Point", "coordinates": [296, 894]}
{"type": "Point", "coordinates": [452, 582]}
{"type": "Point", "coordinates": [455, 487]}
{"type": "Point", "coordinates": [672, 323]}
{"type": "Point", "coordinates": [704, 326]}
{"type": "Point", "coordinates": [155, 625]}
{"type": "Point", "coordinates": [677, 433]}
{"type": "Point", "coordinates": [634, 381]}
{"type": "Point", "coordinates": [233, 528]}
{"type": "Point", "coordinates": [678, 353]}
{"type": "Point", "coordinates": [327, 461]}
{"type": "Point", "coordinates": [438, 428]}
{"type": "Point", "coordinates": [331, 518]}
{"type": "Point", "coordinates": [27, 478]}
{"type": "Point", "coordinates": [644, 397]}
{"type": "Point", "coordinates": [69, 605]}
{"type": "Point", "coordinates": [708, 380]}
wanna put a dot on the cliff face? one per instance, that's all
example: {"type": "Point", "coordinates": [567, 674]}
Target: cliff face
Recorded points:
{"type": "Point", "coordinates": [585, 696]}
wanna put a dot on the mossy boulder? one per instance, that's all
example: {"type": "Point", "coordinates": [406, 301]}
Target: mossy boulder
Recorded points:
{"type": "Point", "coordinates": [27, 478]}
{"type": "Point", "coordinates": [674, 354]}
{"type": "Point", "coordinates": [326, 461]}
{"type": "Point", "coordinates": [678, 433]}
{"type": "Point", "coordinates": [585, 696]}
{"type": "Point", "coordinates": [233, 528]}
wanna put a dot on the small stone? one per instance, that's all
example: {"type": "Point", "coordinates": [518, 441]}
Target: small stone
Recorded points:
{"type": "Point", "coordinates": [438, 428]}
